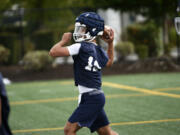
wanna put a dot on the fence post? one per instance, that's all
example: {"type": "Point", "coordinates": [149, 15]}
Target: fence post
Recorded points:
{"type": "Point", "coordinates": [21, 14]}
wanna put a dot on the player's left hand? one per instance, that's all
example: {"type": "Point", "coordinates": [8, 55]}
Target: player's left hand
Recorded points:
{"type": "Point", "coordinates": [108, 35]}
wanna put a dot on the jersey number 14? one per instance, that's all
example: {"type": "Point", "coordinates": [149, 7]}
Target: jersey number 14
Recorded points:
{"type": "Point", "coordinates": [92, 66]}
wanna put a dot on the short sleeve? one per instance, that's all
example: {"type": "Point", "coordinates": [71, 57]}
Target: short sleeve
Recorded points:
{"type": "Point", "coordinates": [74, 49]}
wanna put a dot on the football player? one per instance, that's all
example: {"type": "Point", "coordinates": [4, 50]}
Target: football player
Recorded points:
{"type": "Point", "coordinates": [89, 58]}
{"type": "Point", "coordinates": [4, 110]}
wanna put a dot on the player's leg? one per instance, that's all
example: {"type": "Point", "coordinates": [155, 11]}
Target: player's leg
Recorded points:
{"type": "Point", "coordinates": [101, 125]}
{"type": "Point", "coordinates": [71, 128]}
{"type": "Point", "coordinates": [106, 130]}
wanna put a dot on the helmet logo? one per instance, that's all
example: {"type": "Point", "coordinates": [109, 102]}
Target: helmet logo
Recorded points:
{"type": "Point", "coordinates": [94, 29]}
{"type": "Point", "coordinates": [87, 15]}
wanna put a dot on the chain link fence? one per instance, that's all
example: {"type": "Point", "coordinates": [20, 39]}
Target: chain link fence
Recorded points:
{"type": "Point", "coordinates": [23, 30]}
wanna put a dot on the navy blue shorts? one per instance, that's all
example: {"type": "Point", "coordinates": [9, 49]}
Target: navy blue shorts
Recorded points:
{"type": "Point", "coordinates": [90, 112]}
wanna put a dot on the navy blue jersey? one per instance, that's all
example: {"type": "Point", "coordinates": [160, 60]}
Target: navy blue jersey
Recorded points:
{"type": "Point", "coordinates": [88, 64]}
{"type": "Point", "coordinates": [4, 128]}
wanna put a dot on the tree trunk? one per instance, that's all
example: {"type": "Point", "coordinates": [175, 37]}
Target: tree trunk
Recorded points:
{"type": "Point", "coordinates": [165, 33]}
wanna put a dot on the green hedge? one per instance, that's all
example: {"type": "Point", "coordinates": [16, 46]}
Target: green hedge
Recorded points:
{"type": "Point", "coordinates": [11, 41]}
{"type": "Point", "coordinates": [37, 60]}
{"type": "Point", "coordinates": [39, 40]}
{"type": "Point", "coordinates": [124, 48]}
{"type": "Point", "coordinates": [4, 54]}
{"type": "Point", "coordinates": [145, 34]}
{"type": "Point", "coordinates": [142, 51]}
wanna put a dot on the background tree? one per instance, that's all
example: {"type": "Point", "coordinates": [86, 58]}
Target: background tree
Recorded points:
{"type": "Point", "coordinates": [4, 4]}
{"type": "Point", "coordinates": [158, 10]}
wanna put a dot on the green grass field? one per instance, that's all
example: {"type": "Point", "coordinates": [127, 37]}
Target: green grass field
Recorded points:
{"type": "Point", "coordinates": [142, 104]}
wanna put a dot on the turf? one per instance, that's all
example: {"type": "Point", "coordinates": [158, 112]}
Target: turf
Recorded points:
{"type": "Point", "coordinates": [42, 107]}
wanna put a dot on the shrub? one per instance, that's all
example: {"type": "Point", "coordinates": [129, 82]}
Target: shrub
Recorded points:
{"type": "Point", "coordinates": [146, 34]}
{"type": "Point", "coordinates": [4, 54]}
{"type": "Point", "coordinates": [9, 40]}
{"type": "Point", "coordinates": [29, 46]}
{"type": "Point", "coordinates": [172, 37]}
{"type": "Point", "coordinates": [37, 60]}
{"type": "Point", "coordinates": [124, 48]}
{"type": "Point", "coordinates": [172, 41]}
{"type": "Point", "coordinates": [16, 52]}
{"type": "Point", "coordinates": [142, 51]}
{"type": "Point", "coordinates": [168, 48]}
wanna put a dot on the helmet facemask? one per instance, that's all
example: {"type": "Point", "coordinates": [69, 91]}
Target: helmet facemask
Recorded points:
{"type": "Point", "coordinates": [81, 33]}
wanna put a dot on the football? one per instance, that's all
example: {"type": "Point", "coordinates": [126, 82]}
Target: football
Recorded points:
{"type": "Point", "coordinates": [106, 32]}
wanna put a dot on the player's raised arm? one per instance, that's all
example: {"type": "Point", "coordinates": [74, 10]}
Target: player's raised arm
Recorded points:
{"type": "Point", "coordinates": [58, 50]}
{"type": "Point", "coordinates": [108, 36]}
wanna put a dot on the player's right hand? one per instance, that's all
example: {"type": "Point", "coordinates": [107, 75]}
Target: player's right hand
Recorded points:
{"type": "Point", "coordinates": [66, 37]}
{"type": "Point", "coordinates": [108, 35]}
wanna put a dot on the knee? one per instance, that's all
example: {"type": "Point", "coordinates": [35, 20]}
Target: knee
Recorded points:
{"type": "Point", "coordinates": [69, 130]}
{"type": "Point", "coordinates": [66, 130]}
{"type": "Point", "coordinates": [114, 133]}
